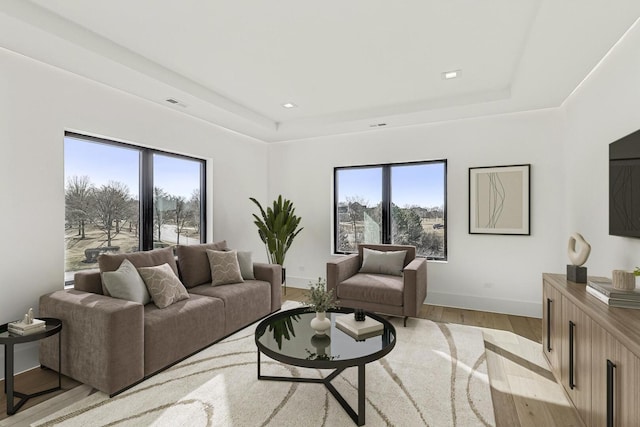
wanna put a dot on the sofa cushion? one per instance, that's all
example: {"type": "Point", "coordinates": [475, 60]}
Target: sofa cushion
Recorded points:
{"type": "Point", "coordinates": [111, 262]}
{"type": "Point", "coordinates": [225, 269]}
{"type": "Point", "coordinates": [126, 283]}
{"type": "Point", "coordinates": [194, 263]}
{"type": "Point", "coordinates": [243, 303]}
{"type": "Point", "coordinates": [381, 262]}
{"type": "Point", "coordinates": [181, 329]}
{"type": "Point", "coordinates": [163, 285]}
{"type": "Point", "coordinates": [374, 288]}
{"type": "Point", "coordinates": [246, 265]}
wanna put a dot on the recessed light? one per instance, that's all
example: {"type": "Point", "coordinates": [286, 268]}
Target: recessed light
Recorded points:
{"type": "Point", "coordinates": [289, 105]}
{"type": "Point", "coordinates": [448, 75]}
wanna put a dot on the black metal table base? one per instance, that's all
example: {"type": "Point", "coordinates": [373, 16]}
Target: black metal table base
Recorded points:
{"type": "Point", "coordinates": [9, 380]}
{"type": "Point", "coordinates": [357, 417]}
{"type": "Point", "coordinates": [24, 397]}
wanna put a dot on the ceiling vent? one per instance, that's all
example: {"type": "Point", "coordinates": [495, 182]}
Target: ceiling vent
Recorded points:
{"type": "Point", "coordinates": [377, 125]}
{"type": "Point", "coordinates": [175, 102]}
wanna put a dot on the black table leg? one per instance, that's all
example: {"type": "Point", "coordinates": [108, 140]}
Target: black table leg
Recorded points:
{"type": "Point", "coordinates": [357, 417]}
{"type": "Point", "coordinates": [361, 389]}
{"type": "Point", "coordinates": [8, 378]}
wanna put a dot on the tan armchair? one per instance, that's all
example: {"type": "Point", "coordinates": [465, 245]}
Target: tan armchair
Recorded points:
{"type": "Point", "coordinates": [381, 293]}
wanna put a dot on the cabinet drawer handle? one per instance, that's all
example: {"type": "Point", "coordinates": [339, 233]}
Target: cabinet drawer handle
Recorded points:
{"type": "Point", "coordinates": [572, 383]}
{"type": "Point", "coordinates": [610, 377]}
{"type": "Point", "coordinates": [549, 301]}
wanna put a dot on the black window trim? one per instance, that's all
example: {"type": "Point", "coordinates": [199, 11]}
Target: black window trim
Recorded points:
{"type": "Point", "coordinates": [386, 201]}
{"type": "Point", "coordinates": [146, 184]}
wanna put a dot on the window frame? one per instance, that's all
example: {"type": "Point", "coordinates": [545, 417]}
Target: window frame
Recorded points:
{"type": "Point", "coordinates": [386, 203]}
{"type": "Point", "coordinates": [146, 185]}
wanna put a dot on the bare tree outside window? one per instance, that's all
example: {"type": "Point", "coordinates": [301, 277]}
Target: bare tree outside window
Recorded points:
{"type": "Point", "coordinates": [77, 199]}
{"type": "Point", "coordinates": [103, 200]}
{"type": "Point", "coordinates": [110, 205]}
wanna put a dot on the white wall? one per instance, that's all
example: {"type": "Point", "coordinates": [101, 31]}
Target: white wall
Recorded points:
{"type": "Point", "coordinates": [37, 104]}
{"type": "Point", "coordinates": [605, 108]}
{"type": "Point", "coordinates": [484, 272]}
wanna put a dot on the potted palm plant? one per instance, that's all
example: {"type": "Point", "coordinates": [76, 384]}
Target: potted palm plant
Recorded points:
{"type": "Point", "coordinates": [277, 227]}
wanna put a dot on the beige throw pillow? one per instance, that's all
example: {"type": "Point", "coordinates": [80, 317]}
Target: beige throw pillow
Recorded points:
{"type": "Point", "coordinates": [224, 267]}
{"type": "Point", "coordinates": [126, 283]}
{"type": "Point", "coordinates": [380, 262]}
{"type": "Point", "coordinates": [163, 285]}
{"type": "Point", "coordinates": [194, 262]}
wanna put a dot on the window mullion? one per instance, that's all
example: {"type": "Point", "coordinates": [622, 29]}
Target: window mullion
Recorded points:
{"type": "Point", "coordinates": [146, 200]}
{"type": "Point", "coordinates": [386, 204]}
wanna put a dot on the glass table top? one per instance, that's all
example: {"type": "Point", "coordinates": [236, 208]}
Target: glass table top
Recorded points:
{"type": "Point", "coordinates": [289, 335]}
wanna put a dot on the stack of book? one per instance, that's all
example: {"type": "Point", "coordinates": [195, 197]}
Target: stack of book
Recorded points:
{"type": "Point", "coordinates": [22, 328]}
{"type": "Point", "coordinates": [359, 329]}
{"type": "Point", "coordinates": [605, 292]}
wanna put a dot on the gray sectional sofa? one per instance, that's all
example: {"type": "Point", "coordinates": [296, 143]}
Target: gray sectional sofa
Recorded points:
{"type": "Point", "coordinates": [112, 344]}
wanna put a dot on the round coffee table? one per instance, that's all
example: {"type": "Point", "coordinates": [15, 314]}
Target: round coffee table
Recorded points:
{"type": "Point", "coordinates": [288, 338]}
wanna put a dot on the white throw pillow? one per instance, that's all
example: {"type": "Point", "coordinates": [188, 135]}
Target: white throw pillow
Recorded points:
{"type": "Point", "coordinates": [126, 283]}
{"type": "Point", "coordinates": [246, 265]}
{"type": "Point", "coordinates": [380, 262]}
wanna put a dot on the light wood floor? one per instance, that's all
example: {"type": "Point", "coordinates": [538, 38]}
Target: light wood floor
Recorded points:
{"type": "Point", "coordinates": [524, 392]}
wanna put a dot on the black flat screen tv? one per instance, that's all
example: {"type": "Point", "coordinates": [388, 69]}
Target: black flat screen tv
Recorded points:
{"type": "Point", "coordinates": [624, 186]}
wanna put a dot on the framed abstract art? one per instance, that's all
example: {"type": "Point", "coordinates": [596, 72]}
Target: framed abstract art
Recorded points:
{"type": "Point", "coordinates": [499, 200]}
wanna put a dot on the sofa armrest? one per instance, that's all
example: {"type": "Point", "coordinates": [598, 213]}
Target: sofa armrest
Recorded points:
{"type": "Point", "coordinates": [102, 339]}
{"type": "Point", "coordinates": [340, 269]}
{"type": "Point", "coordinates": [271, 273]}
{"type": "Point", "coordinates": [415, 286]}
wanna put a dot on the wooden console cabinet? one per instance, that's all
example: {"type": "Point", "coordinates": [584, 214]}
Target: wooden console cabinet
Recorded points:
{"type": "Point", "coordinates": [593, 351]}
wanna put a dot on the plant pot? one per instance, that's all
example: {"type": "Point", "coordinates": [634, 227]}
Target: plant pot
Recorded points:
{"type": "Point", "coordinates": [624, 280]}
{"type": "Point", "coordinates": [320, 323]}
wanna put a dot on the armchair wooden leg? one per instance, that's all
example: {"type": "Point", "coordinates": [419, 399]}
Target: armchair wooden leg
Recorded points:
{"type": "Point", "coordinates": [405, 321]}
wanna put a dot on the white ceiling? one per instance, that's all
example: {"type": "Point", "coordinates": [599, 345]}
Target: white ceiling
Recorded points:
{"type": "Point", "coordinates": [347, 64]}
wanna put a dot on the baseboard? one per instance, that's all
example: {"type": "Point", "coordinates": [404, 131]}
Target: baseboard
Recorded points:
{"type": "Point", "coordinates": [493, 305]}
{"type": "Point", "coordinates": [299, 282]}
{"type": "Point", "coordinates": [468, 302]}
{"type": "Point", "coordinates": [25, 357]}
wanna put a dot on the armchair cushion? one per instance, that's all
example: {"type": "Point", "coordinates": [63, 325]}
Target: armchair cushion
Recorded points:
{"type": "Point", "coordinates": [373, 288]}
{"type": "Point", "coordinates": [382, 262]}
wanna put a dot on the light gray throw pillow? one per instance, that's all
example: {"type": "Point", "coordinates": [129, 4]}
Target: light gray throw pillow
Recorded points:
{"type": "Point", "coordinates": [225, 269]}
{"type": "Point", "coordinates": [125, 283]}
{"type": "Point", "coordinates": [163, 285]}
{"type": "Point", "coordinates": [246, 265]}
{"type": "Point", "coordinates": [380, 262]}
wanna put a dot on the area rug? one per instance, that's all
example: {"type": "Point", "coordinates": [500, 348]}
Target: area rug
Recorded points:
{"type": "Point", "coordinates": [435, 376]}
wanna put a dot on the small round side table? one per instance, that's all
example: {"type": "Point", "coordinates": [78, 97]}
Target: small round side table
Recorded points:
{"type": "Point", "coordinates": [9, 339]}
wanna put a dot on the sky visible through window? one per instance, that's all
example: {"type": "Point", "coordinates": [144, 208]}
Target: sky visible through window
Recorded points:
{"type": "Point", "coordinates": [421, 185]}
{"type": "Point", "coordinates": [103, 163]}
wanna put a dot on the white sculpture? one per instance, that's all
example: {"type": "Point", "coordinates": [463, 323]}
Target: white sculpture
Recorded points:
{"type": "Point", "coordinates": [580, 256]}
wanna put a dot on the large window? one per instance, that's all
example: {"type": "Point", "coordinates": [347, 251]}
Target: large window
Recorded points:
{"type": "Point", "coordinates": [394, 203]}
{"type": "Point", "coordinates": [123, 198]}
